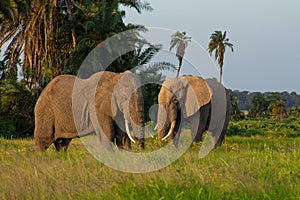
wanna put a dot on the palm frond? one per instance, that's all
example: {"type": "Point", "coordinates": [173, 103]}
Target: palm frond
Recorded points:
{"type": "Point", "coordinates": [224, 36]}
{"type": "Point", "coordinates": [145, 56]}
{"type": "Point", "coordinates": [137, 5]}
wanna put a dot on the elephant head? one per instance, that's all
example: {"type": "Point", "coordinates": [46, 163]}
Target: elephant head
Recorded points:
{"type": "Point", "coordinates": [127, 97]}
{"type": "Point", "coordinates": [124, 104]}
{"type": "Point", "coordinates": [180, 98]}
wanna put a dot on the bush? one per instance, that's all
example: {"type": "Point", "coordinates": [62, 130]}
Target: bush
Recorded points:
{"type": "Point", "coordinates": [16, 110]}
{"type": "Point", "coordinates": [234, 130]}
{"type": "Point", "coordinates": [16, 127]}
{"type": "Point", "coordinates": [289, 127]}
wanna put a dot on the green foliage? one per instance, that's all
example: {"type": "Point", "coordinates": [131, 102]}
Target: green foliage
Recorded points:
{"type": "Point", "coordinates": [259, 106]}
{"type": "Point", "coordinates": [56, 36]}
{"type": "Point", "coordinates": [236, 112]}
{"type": "Point", "coordinates": [277, 107]}
{"type": "Point", "coordinates": [289, 127]}
{"type": "Point", "coordinates": [245, 98]}
{"type": "Point", "coordinates": [97, 21]}
{"type": "Point", "coordinates": [268, 104]}
{"type": "Point", "coordinates": [16, 110]}
{"type": "Point", "coordinates": [294, 111]}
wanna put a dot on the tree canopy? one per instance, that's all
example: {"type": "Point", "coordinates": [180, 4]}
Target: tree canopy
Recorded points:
{"type": "Point", "coordinates": [54, 37]}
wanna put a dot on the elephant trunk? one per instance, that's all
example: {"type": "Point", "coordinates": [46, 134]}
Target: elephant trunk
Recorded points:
{"type": "Point", "coordinates": [137, 120]}
{"type": "Point", "coordinates": [138, 130]}
{"type": "Point", "coordinates": [171, 131]}
{"type": "Point", "coordinates": [137, 125]}
{"type": "Point", "coordinates": [166, 122]}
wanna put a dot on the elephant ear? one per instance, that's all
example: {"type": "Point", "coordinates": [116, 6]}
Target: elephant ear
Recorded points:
{"type": "Point", "coordinates": [113, 106]}
{"type": "Point", "coordinates": [198, 94]}
{"type": "Point", "coordinates": [122, 91]}
{"type": "Point", "coordinates": [105, 101]}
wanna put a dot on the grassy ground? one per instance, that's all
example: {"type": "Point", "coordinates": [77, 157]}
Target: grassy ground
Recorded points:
{"type": "Point", "coordinates": [243, 168]}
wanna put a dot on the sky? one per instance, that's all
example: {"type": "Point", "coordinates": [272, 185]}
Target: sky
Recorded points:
{"type": "Point", "coordinates": [265, 35]}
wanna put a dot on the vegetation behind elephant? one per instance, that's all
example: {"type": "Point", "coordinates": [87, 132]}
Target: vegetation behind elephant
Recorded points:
{"type": "Point", "coordinates": [190, 98]}
{"type": "Point", "coordinates": [116, 99]}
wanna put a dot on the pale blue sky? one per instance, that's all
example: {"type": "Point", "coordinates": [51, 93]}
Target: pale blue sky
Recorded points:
{"type": "Point", "coordinates": [265, 35]}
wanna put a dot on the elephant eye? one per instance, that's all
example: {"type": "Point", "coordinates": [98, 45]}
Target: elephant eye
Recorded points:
{"type": "Point", "coordinates": [124, 98]}
{"type": "Point", "coordinates": [174, 100]}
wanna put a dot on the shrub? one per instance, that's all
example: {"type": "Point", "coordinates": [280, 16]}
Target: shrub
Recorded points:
{"type": "Point", "coordinates": [289, 127]}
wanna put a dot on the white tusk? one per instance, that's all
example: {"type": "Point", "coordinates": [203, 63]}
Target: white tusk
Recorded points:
{"type": "Point", "coordinates": [149, 132]}
{"type": "Point", "coordinates": [155, 128]}
{"type": "Point", "coordinates": [172, 127]}
{"type": "Point", "coordinates": [128, 131]}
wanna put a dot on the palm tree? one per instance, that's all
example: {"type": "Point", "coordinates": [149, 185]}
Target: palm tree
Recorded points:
{"type": "Point", "coordinates": [259, 106]}
{"type": "Point", "coordinates": [277, 107]}
{"type": "Point", "coordinates": [218, 43]}
{"type": "Point", "coordinates": [32, 35]}
{"type": "Point", "coordinates": [99, 20]}
{"type": "Point", "coordinates": [180, 41]}
{"type": "Point", "coordinates": [44, 32]}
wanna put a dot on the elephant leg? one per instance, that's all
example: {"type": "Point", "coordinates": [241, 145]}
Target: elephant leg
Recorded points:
{"type": "Point", "coordinates": [43, 135]}
{"type": "Point", "coordinates": [122, 140]}
{"type": "Point", "coordinates": [199, 132]}
{"type": "Point", "coordinates": [203, 122]}
{"type": "Point", "coordinates": [42, 143]}
{"type": "Point", "coordinates": [107, 132]}
{"type": "Point", "coordinates": [61, 144]}
{"type": "Point", "coordinates": [222, 136]}
{"type": "Point", "coordinates": [194, 123]}
{"type": "Point", "coordinates": [227, 119]}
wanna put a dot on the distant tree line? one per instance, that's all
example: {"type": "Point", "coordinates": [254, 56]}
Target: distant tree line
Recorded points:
{"type": "Point", "coordinates": [245, 98]}
{"type": "Point", "coordinates": [274, 105]}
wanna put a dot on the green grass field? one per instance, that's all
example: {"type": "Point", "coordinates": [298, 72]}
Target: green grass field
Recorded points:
{"type": "Point", "coordinates": [243, 168]}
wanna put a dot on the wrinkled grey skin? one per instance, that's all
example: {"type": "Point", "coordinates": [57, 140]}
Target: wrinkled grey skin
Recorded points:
{"type": "Point", "coordinates": [192, 102]}
{"type": "Point", "coordinates": [112, 102]}
{"type": "Point", "coordinates": [206, 113]}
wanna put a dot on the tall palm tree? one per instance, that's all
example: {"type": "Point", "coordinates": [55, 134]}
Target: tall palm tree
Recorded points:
{"type": "Point", "coordinates": [218, 43]}
{"type": "Point", "coordinates": [277, 106]}
{"type": "Point", "coordinates": [180, 42]}
{"type": "Point", "coordinates": [32, 35]}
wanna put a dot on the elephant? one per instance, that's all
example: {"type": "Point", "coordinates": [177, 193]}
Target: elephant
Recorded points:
{"type": "Point", "coordinates": [196, 101]}
{"type": "Point", "coordinates": [115, 104]}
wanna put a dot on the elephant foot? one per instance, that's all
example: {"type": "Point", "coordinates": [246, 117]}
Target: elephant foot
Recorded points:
{"type": "Point", "coordinates": [42, 144]}
{"type": "Point", "coordinates": [219, 143]}
{"type": "Point", "coordinates": [198, 138]}
{"type": "Point", "coordinates": [61, 144]}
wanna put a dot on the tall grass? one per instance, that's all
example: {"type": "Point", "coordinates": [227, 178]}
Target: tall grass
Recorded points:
{"type": "Point", "coordinates": [243, 168]}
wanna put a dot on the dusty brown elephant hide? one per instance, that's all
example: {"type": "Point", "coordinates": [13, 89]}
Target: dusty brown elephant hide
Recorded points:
{"type": "Point", "coordinates": [189, 98]}
{"type": "Point", "coordinates": [54, 121]}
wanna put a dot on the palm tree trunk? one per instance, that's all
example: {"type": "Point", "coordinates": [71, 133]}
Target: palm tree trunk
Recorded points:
{"type": "Point", "coordinates": [221, 74]}
{"type": "Point", "coordinates": [220, 61]}
{"type": "Point", "coordinates": [70, 18]}
{"type": "Point", "coordinates": [179, 66]}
